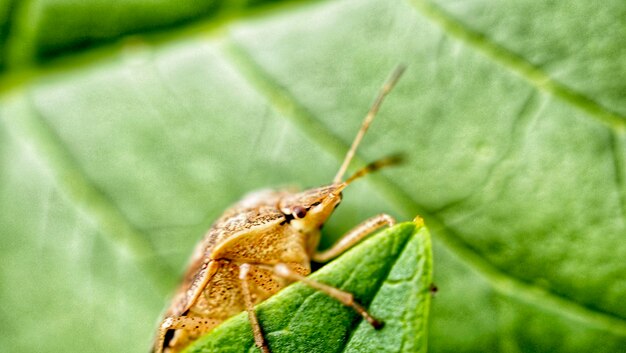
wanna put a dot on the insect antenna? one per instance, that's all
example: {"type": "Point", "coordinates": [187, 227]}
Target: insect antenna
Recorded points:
{"type": "Point", "coordinates": [385, 89]}
{"type": "Point", "coordinates": [374, 166]}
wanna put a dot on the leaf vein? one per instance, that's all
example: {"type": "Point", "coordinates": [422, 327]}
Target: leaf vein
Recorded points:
{"type": "Point", "coordinates": [381, 284]}
{"type": "Point", "coordinates": [526, 114]}
{"type": "Point", "coordinates": [32, 128]}
{"type": "Point", "coordinates": [616, 140]}
{"type": "Point", "coordinates": [519, 65]}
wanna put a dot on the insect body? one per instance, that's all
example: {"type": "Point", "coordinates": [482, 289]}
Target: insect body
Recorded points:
{"type": "Point", "coordinates": [261, 244]}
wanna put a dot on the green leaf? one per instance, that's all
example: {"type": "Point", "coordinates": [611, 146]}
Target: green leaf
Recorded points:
{"type": "Point", "coordinates": [32, 31]}
{"type": "Point", "coordinates": [115, 158]}
{"type": "Point", "coordinates": [390, 273]}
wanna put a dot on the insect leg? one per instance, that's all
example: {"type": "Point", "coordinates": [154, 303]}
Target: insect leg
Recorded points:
{"type": "Point", "coordinates": [247, 297]}
{"type": "Point", "coordinates": [195, 324]}
{"type": "Point", "coordinates": [354, 236]}
{"type": "Point", "coordinates": [347, 299]}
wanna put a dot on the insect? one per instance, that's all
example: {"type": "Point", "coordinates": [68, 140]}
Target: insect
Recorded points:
{"type": "Point", "coordinates": [259, 245]}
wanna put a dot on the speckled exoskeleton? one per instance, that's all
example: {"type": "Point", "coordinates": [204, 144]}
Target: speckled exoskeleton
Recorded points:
{"type": "Point", "coordinates": [258, 246]}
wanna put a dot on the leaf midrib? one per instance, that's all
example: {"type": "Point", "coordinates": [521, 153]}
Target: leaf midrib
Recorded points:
{"type": "Point", "coordinates": [500, 281]}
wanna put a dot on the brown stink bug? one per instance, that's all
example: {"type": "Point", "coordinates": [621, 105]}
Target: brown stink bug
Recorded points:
{"type": "Point", "coordinates": [260, 244]}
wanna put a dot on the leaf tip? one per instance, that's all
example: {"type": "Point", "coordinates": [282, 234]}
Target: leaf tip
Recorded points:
{"type": "Point", "coordinates": [419, 221]}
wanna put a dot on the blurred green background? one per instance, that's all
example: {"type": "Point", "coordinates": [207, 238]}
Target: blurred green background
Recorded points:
{"type": "Point", "coordinates": [127, 127]}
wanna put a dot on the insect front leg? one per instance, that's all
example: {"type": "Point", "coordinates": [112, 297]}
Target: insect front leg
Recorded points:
{"type": "Point", "coordinates": [244, 269]}
{"type": "Point", "coordinates": [354, 236]}
{"type": "Point", "coordinates": [346, 298]}
{"type": "Point", "coordinates": [196, 325]}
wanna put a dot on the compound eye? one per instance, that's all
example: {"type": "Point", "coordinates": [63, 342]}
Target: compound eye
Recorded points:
{"type": "Point", "coordinates": [299, 212]}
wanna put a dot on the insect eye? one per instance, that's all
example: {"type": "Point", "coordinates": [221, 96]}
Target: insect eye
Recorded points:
{"type": "Point", "coordinates": [299, 212]}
